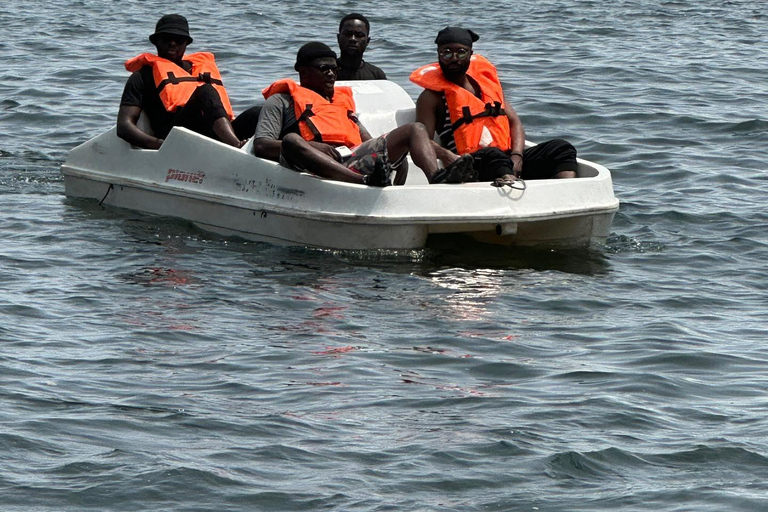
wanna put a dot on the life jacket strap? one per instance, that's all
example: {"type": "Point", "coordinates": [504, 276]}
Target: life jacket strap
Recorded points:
{"type": "Point", "coordinates": [305, 117]}
{"type": "Point", "coordinates": [205, 78]}
{"type": "Point", "coordinates": [491, 110]}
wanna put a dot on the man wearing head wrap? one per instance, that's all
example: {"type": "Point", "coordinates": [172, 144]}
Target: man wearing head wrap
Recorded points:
{"type": "Point", "coordinates": [311, 126]}
{"type": "Point", "coordinates": [174, 89]}
{"type": "Point", "coordinates": [353, 39]}
{"type": "Point", "coordinates": [463, 102]}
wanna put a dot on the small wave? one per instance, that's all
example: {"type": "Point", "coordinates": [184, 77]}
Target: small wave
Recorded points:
{"type": "Point", "coordinates": [749, 127]}
{"type": "Point", "coordinates": [570, 465]}
{"type": "Point", "coordinates": [720, 456]}
{"type": "Point", "coordinates": [612, 461]}
{"type": "Point", "coordinates": [618, 244]}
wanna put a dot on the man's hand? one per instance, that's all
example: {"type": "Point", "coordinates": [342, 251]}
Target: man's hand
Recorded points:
{"type": "Point", "coordinates": [326, 149]}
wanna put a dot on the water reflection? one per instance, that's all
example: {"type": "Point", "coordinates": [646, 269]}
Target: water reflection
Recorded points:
{"type": "Point", "coordinates": [472, 291]}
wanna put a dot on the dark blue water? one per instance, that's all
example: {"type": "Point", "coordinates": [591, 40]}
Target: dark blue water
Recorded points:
{"type": "Point", "coordinates": [145, 365]}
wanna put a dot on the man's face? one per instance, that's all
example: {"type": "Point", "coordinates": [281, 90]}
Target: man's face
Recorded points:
{"type": "Point", "coordinates": [319, 76]}
{"type": "Point", "coordinates": [454, 58]}
{"type": "Point", "coordinates": [353, 38]}
{"type": "Point", "coordinates": [171, 47]}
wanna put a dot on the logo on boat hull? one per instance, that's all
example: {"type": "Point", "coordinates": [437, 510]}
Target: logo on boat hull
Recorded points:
{"type": "Point", "coordinates": [191, 177]}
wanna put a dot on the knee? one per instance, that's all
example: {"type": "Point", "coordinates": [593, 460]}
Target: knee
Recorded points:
{"type": "Point", "coordinates": [207, 91]}
{"type": "Point", "coordinates": [417, 132]}
{"type": "Point", "coordinates": [563, 147]}
{"type": "Point", "coordinates": [419, 128]}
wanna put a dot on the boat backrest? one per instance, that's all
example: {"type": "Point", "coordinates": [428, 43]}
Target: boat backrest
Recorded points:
{"type": "Point", "coordinates": [381, 105]}
{"type": "Point", "coordinates": [379, 123]}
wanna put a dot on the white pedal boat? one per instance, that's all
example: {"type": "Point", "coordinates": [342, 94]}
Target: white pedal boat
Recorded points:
{"type": "Point", "coordinates": [231, 192]}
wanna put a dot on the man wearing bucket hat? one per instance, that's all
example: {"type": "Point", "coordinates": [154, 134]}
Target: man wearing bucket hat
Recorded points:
{"type": "Point", "coordinates": [311, 126]}
{"type": "Point", "coordinates": [464, 103]}
{"type": "Point", "coordinates": [174, 89]}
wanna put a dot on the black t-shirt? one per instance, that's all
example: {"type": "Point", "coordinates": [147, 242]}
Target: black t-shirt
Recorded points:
{"type": "Point", "coordinates": [140, 91]}
{"type": "Point", "coordinates": [365, 72]}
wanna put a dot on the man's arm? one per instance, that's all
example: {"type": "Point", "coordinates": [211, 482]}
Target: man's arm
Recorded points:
{"type": "Point", "coordinates": [517, 136]}
{"type": "Point", "coordinates": [364, 134]}
{"type": "Point", "coordinates": [277, 112]}
{"type": "Point", "coordinates": [429, 108]}
{"type": "Point", "coordinates": [426, 110]}
{"type": "Point", "coordinates": [130, 110]}
{"type": "Point", "coordinates": [267, 148]}
{"type": "Point", "coordinates": [266, 140]}
{"type": "Point", "coordinates": [129, 131]}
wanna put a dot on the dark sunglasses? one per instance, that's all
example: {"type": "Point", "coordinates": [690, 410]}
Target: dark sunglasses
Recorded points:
{"type": "Point", "coordinates": [327, 67]}
{"type": "Point", "coordinates": [171, 38]}
{"type": "Point", "coordinates": [460, 54]}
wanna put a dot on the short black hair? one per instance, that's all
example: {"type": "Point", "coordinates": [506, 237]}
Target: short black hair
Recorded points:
{"type": "Point", "coordinates": [356, 16]}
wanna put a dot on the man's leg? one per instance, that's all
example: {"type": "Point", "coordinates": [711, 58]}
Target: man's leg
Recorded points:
{"type": "Point", "coordinates": [413, 137]}
{"type": "Point", "coordinates": [205, 114]}
{"type": "Point", "coordinates": [304, 156]}
{"type": "Point", "coordinates": [245, 123]}
{"type": "Point", "coordinates": [552, 159]}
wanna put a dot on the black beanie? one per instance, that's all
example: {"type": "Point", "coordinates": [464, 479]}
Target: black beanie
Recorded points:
{"type": "Point", "coordinates": [456, 35]}
{"type": "Point", "coordinates": [312, 51]}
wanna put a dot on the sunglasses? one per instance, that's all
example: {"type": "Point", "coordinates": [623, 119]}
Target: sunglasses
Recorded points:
{"type": "Point", "coordinates": [448, 54]}
{"type": "Point", "coordinates": [333, 68]}
{"type": "Point", "coordinates": [171, 38]}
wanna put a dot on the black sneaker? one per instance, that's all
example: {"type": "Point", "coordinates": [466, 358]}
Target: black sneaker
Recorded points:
{"type": "Point", "coordinates": [379, 177]}
{"type": "Point", "coordinates": [460, 170]}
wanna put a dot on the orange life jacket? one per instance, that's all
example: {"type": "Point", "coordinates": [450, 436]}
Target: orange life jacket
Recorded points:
{"type": "Point", "coordinates": [476, 122]}
{"type": "Point", "coordinates": [321, 120]}
{"type": "Point", "coordinates": [175, 85]}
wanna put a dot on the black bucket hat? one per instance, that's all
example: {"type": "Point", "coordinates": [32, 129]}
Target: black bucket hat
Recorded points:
{"type": "Point", "coordinates": [174, 24]}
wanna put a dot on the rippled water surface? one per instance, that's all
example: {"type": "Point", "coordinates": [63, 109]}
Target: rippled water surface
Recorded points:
{"type": "Point", "coordinates": [145, 365]}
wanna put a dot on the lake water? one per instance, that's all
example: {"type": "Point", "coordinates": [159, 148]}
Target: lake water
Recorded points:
{"type": "Point", "coordinates": [145, 365]}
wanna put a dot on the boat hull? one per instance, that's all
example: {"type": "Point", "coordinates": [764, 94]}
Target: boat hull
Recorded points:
{"type": "Point", "coordinates": [231, 192]}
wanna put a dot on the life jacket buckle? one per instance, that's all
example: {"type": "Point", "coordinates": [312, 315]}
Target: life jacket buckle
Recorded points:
{"type": "Point", "coordinates": [466, 115]}
{"type": "Point", "coordinates": [307, 112]}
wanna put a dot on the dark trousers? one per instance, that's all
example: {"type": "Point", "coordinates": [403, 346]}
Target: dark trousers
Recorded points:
{"type": "Point", "coordinates": [540, 162]}
{"type": "Point", "coordinates": [245, 124]}
{"type": "Point", "coordinates": [203, 108]}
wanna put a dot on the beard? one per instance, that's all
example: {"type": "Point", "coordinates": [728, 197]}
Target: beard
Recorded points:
{"type": "Point", "coordinates": [455, 69]}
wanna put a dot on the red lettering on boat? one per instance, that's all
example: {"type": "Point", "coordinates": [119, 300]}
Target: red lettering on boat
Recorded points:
{"type": "Point", "coordinates": [191, 177]}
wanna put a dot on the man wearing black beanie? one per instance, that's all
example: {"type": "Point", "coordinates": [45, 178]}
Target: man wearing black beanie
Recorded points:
{"type": "Point", "coordinates": [312, 127]}
{"type": "Point", "coordinates": [463, 102]}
